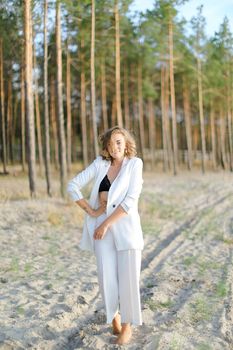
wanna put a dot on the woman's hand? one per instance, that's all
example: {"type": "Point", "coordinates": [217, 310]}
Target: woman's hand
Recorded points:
{"type": "Point", "coordinates": [82, 203]}
{"type": "Point", "coordinates": [97, 212]}
{"type": "Point", "coordinates": [100, 231]}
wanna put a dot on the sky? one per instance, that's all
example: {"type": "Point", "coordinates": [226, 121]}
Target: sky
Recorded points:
{"type": "Point", "coordinates": [214, 11]}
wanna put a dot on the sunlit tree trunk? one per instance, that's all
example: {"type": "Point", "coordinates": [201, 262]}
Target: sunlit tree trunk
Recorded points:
{"type": "Point", "coordinates": [188, 127]}
{"type": "Point", "coordinates": [38, 119]}
{"type": "Point", "coordinates": [68, 109]}
{"type": "Point", "coordinates": [173, 101]}
{"type": "Point", "coordinates": [222, 127]}
{"type": "Point", "coordinates": [104, 95]}
{"type": "Point", "coordinates": [29, 98]}
{"type": "Point", "coordinates": [201, 113]}
{"type": "Point", "coordinates": [118, 63]}
{"type": "Point", "coordinates": [83, 105]}
{"type": "Point", "coordinates": [14, 125]}
{"type": "Point", "coordinates": [140, 111]}
{"type": "Point", "coordinates": [167, 118]}
{"type": "Point", "coordinates": [113, 112]}
{"type": "Point", "coordinates": [60, 116]}
{"type": "Point", "coordinates": [164, 124]}
{"type": "Point", "coordinates": [195, 139]}
{"type": "Point", "coordinates": [3, 121]}
{"type": "Point", "coordinates": [54, 121]}
{"type": "Point", "coordinates": [133, 89]}
{"type": "Point", "coordinates": [229, 128]}
{"type": "Point", "coordinates": [213, 137]}
{"type": "Point", "coordinates": [9, 119]}
{"type": "Point", "coordinates": [93, 100]}
{"type": "Point", "coordinates": [218, 143]}
{"type": "Point", "coordinates": [152, 130]}
{"type": "Point", "coordinates": [46, 106]}
{"type": "Point", "coordinates": [22, 89]}
{"type": "Point", "coordinates": [126, 98]}
{"type": "Point", "coordinates": [76, 119]}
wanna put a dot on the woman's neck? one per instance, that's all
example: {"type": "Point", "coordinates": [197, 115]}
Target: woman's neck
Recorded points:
{"type": "Point", "coordinates": [117, 162]}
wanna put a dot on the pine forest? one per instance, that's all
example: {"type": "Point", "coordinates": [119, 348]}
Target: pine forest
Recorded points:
{"type": "Point", "coordinates": [71, 69]}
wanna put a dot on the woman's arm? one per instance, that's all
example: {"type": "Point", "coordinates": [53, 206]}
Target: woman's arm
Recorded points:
{"type": "Point", "coordinates": [111, 219]}
{"type": "Point", "coordinates": [82, 179]}
{"type": "Point", "coordinates": [82, 203]}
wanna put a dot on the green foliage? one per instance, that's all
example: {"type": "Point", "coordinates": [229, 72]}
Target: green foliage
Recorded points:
{"type": "Point", "coordinates": [204, 346]}
{"type": "Point", "coordinates": [143, 41]}
{"type": "Point", "coordinates": [189, 260]}
{"type": "Point", "coordinates": [156, 305]}
{"type": "Point", "coordinates": [15, 265]}
{"type": "Point", "coordinates": [200, 310]}
{"type": "Point", "coordinates": [221, 289]}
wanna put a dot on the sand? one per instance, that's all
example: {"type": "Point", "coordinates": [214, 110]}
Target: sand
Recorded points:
{"type": "Point", "coordinates": [49, 296]}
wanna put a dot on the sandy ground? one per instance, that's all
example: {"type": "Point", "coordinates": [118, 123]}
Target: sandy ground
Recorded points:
{"type": "Point", "coordinates": [49, 296]}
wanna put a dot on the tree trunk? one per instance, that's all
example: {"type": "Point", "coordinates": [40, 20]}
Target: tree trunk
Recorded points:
{"type": "Point", "coordinates": [9, 120]}
{"type": "Point", "coordinates": [75, 122]}
{"type": "Point", "coordinates": [38, 119]}
{"type": "Point", "coordinates": [201, 113]}
{"type": "Point", "coordinates": [188, 127]}
{"type": "Point", "coordinates": [54, 122]}
{"type": "Point", "coordinates": [60, 116]}
{"type": "Point", "coordinates": [126, 98]}
{"type": "Point", "coordinates": [173, 101]}
{"type": "Point", "coordinates": [68, 109]}
{"type": "Point", "coordinates": [93, 101]}
{"type": "Point", "coordinates": [118, 64]}
{"type": "Point", "coordinates": [167, 119]}
{"type": "Point", "coordinates": [104, 95]}
{"type": "Point", "coordinates": [23, 151]}
{"type": "Point", "coordinates": [46, 106]}
{"type": "Point", "coordinates": [83, 105]}
{"type": "Point", "coordinates": [164, 124]}
{"type": "Point", "coordinates": [229, 128]}
{"type": "Point", "coordinates": [140, 111]}
{"type": "Point", "coordinates": [152, 131]}
{"type": "Point", "coordinates": [213, 137]}
{"type": "Point", "coordinates": [133, 88]}
{"type": "Point", "coordinates": [3, 122]}
{"type": "Point", "coordinates": [222, 127]}
{"type": "Point", "coordinates": [113, 113]}
{"type": "Point", "coordinates": [218, 150]}
{"type": "Point", "coordinates": [195, 139]}
{"type": "Point", "coordinates": [31, 150]}
{"type": "Point", "coordinates": [14, 126]}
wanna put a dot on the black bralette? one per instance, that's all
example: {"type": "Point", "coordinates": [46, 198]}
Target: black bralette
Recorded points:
{"type": "Point", "coordinates": [105, 184]}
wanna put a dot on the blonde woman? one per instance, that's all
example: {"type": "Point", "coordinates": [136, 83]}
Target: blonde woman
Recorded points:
{"type": "Point", "coordinates": [112, 228]}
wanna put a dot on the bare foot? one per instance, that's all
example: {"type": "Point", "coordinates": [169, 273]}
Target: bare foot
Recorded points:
{"type": "Point", "coordinates": [116, 324]}
{"type": "Point", "coordinates": [125, 335]}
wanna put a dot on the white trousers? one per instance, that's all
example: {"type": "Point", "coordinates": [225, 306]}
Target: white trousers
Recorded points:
{"type": "Point", "coordinates": [118, 275]}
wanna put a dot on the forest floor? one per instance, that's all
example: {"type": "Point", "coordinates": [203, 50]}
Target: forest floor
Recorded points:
{"type": "Point", "coordinates": [49, 296]}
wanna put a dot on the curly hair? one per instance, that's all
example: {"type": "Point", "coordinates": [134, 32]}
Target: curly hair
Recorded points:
{"type": "Point", "coordinates": [105, 138]}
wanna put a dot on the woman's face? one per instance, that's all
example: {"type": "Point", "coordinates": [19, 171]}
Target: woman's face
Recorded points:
{"type": "Point", "coordinates": [116, 146]}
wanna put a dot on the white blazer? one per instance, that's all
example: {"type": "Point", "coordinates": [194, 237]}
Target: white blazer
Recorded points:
{"type": "Point", "coordinates": [125, 191]}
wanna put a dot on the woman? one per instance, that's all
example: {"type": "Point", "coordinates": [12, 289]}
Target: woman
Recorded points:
{"type": "Point", "coordinates": [112, 228]}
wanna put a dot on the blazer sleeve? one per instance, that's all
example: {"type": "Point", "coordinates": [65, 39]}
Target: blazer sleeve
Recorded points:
{"type": "Point", "coordinates": [82, 179]}
{"type": "Point", "coordinates": [135, 187]}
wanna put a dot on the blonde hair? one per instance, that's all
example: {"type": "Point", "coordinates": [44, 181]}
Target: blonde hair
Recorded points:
{"type": "Point", "coordinates": [130, 150]}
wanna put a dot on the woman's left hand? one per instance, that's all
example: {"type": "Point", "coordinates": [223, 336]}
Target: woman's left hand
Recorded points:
{"type": "Point", "coordinates": [100, 231]}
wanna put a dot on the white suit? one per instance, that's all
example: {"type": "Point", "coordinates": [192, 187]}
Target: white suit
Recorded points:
{"type": "Point", "coordinates": [124, 191]}
{"type": "Point", "coordinates": [119, 253]}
